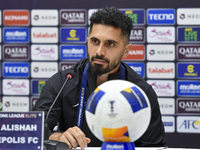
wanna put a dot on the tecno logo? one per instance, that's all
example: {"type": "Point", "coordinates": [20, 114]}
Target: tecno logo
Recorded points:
{"type": "Point", "coordinates": [16, 69]}
{"type": "Point", "coordinates": [16, 17]}
{"type": "Point", "coordinates": [161, 16]}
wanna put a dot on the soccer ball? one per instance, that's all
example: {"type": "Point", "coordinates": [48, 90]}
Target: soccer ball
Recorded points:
{"type": "Point", "coordinates": [118, 111]}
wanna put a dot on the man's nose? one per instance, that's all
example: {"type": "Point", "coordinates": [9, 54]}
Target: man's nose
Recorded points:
{"type": "Point", "coordinates": [100, 50]}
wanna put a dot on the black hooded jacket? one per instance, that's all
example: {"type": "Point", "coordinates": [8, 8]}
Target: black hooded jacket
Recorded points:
{"type": "Point", "coordinates": [66, 107]}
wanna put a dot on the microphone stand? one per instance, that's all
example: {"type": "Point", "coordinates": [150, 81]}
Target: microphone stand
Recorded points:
{"type": "Point", "coordinates": [51, 144]}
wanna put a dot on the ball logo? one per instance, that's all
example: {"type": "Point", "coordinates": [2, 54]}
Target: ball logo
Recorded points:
{"type": "Point", "coordinates": [112, 103]}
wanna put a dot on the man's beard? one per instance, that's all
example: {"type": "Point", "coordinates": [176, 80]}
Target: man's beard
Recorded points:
{"type": "Point", "coordinates": [97, 69]}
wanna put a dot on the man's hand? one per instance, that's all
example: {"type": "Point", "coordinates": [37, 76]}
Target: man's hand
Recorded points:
{"type": "Point", "coordinates": [72, 137]}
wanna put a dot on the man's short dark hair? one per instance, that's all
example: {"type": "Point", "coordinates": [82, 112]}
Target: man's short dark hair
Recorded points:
{"type": "Point", "coordinates": [113, 17]}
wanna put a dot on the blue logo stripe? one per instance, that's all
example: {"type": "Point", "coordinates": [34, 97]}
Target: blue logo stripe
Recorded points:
{"type": "Point", "coordinates": [93, 101]}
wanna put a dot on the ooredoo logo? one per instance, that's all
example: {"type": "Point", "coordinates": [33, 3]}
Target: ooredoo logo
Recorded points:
{"type": "Point", "coordinates": [160, 34]}
{"type": "Point", "coordinates": [160, 70]}
{"type": "Point", "coordinates": [73, 17]}
{"type": "Point", "coordinates": [137, 52]}
{"type": "Point", "coordinates": [16, 17]}
{"type": "Point", "coordinates": [44, 35]}
{"type": "Point", "coordinates": [188, 52]}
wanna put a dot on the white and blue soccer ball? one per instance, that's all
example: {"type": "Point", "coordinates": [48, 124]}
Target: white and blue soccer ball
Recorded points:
{"type": "Point", "coordinates": [118, 111]}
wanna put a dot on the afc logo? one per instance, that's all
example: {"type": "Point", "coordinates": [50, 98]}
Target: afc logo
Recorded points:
{"type": "Point", "coordinates": [190, 124]}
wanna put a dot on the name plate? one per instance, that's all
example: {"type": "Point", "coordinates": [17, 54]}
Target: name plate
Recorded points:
{"type": "Point", "coordinates": [21, 130]}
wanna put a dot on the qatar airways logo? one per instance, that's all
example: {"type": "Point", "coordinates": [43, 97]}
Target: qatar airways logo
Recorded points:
{"type": "Point", "coordinates": [15, 87]}
{"type": "Point", "coordinates": [44, 35]}
{"type": "Point", "coordinates": [160, 34]}
{"type": "Point", "coordinates": [44, 52]}
{"type": "Point", "coordinates": [163, 87]}
{"type": "Point", "coordinates": [160, 70]}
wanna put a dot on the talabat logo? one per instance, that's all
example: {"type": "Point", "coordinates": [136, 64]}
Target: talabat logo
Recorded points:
{"type": "Point", "coordinates": [169, 123]}
{"type": "Point", "coordinates": [188, 16]}
{"type": "Point", "coordinates": [161, 16]}
{"type": "Point", "coordinates": [188, 52]}
{"type": "Point", "coordinates": [72, 52]}
{"type": "Point", "coordinates": [44, 17]}
{"type": "Point", "coordinates": [139, 68]}
{"type": "Point", "coordinates": [189, 34]}
{"type": "Point", "coordinates": [188, 88]}
{"type": "Point", "coordinates": [16, 17]}
{"type": "Point", "coordinates": [160, 70]}
{"type": "Point", "coordinates": [16, 52]}
{"type": "Point", "coordinates": [44, 35]}
{"type": "Point", "coordinates": [137, 15]}
{"type": "Point", "coordinates": [16, 69]}
{"type": "Point", "coordinates": [188, 105]}
{"type": "Point", "coordinates": [188, 124]}
{"type": "Point", "coordinates": [15, 86]}
{"type": "Point", "coordinates": [43, 69]}
{"type": "Point", "coordinates": [44, 52]}
{"type": "Point", "coordinates": [164, 88]}
{"type": "Point", "coordinates": [73, 35]}
{"type": "Point", "coordinates": [16, 104]}
{"type": "Point", "coordinates": [160, 52]}
{"type": "Point", "coordinates": [137, 35]}
{"type": "Point", "coordinates": [73, 17]}
{"type": "Point", "coordinates": [160, 34]}
{"type": "Point", "coordinates": [36, 86]}
{"type": "Point", "coordinates": [16, 35]}
{"type": "Point", "coordinates": [188, 70]}
{"type": "Point", "coordinates": [137, 52]}
{"type": "Point", "coordinates": [66, 65]}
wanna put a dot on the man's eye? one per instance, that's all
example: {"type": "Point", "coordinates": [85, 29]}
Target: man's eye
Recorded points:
{"type": "Point", "coordinates": [95, 41]}
{"type": "Point", "coordinates": [110, 44]}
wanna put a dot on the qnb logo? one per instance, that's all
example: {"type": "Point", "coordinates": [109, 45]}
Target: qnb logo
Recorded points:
{"type": "Point", "coordinates": [190, 124]}
{"type": "Point", "coordinates": [182, 16]}
{"type": "Point", "coordinates": [16, 33]}
{"type": "Point", "coordinates": [16, 69]}
{"type": "Point", "coordinates": [161, 16]}
{"type": "Point", "coordinates": [73, 51]}
{"type": "Point", "coordinates": [39, 50]}
{"type": "Point", "coordinates": [160, 33]}
{"type": "Point", "coordinates": [11, 85]}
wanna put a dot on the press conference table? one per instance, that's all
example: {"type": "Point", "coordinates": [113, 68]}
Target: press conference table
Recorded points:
{"type": "Point", "coordinates": [142, 148]}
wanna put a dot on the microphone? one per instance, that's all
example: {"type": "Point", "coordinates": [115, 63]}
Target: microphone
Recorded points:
{"type": "Point", "coordinates": [51, 144]}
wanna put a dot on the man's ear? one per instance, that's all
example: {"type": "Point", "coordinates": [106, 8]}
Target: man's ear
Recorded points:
{"type": "Point", "coordinates": [127, 49]}
{"type": "Point", "coordinates": [88, 39]}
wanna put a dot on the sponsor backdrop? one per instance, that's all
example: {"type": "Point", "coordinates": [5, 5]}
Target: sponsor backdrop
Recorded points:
{"type": "Point", "coordinates": [39, 38]}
